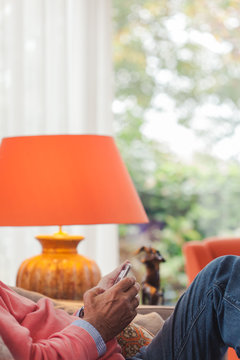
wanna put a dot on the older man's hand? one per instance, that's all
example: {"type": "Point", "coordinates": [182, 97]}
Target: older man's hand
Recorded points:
{"type": "Point", "coordinates": [110, 311]}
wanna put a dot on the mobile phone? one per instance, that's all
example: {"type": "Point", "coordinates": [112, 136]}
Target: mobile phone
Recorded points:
{"type": "Point", "coordinates": [123, 273]}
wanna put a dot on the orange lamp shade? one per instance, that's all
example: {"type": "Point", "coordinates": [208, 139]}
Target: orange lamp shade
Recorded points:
{"type": "Point", "coordinates": [65, 180]}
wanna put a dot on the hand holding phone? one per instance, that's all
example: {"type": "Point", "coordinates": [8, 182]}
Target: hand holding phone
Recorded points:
{"type": "Point", "coordinates": [123, 273]}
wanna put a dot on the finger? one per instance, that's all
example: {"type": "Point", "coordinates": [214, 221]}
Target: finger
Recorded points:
{"type": "Point", "coordinates": [99, 290]}
{"type": "Point", "coordinates": [135, 302]}
{"type": "Point", "coordinates": [138, 298]}
{"type": "Point", "coordinates": [125, 284]}
{"type": "Point", "coordinates": [94, 292]}
{"type": "Point", "coordinates": [133, 291]}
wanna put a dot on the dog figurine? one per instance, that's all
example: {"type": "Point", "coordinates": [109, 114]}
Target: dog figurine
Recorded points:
{"type": "Point", "coordinates": [151, 292]}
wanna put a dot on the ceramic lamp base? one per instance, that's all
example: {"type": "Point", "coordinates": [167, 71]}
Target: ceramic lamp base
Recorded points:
{"type": "Point", "coordinates": [59, 272]}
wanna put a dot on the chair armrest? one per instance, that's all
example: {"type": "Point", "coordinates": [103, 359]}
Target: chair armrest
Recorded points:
{"type": "Point", "coordinates": [164, 311]}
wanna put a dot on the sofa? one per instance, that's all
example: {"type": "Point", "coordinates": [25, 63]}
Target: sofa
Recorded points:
{"type": "Point", "coordinates": [139, 333]}
{"type": "Point", "coordinates": [199, 253]}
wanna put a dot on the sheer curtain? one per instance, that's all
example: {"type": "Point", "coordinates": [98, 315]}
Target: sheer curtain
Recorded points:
{"type": "Point", "coordinates": [55, 78]}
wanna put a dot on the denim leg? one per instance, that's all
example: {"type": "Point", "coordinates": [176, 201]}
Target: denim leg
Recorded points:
{"type": "Point", "coordinates": [206, 319]}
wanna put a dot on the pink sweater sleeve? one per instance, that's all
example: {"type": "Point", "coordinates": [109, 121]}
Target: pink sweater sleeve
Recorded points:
{"type": "Point", "coordinates": [37, 331]}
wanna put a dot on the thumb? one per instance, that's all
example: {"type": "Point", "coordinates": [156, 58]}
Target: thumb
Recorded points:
{"type": "Point", "coordinates": [125, 283]}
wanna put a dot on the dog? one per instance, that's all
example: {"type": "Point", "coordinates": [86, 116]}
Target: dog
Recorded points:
{"type": "Point", "coordinates": [152, 294]}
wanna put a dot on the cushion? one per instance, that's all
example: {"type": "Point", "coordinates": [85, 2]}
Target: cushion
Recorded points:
{"type": "Point", "coordinates": [153, 321]}
{"type": "Point", "coordinates": [132, 338]}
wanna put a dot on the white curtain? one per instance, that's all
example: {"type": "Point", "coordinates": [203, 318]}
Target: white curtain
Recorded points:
{"type": "Point", "coordinates": [55, 78]}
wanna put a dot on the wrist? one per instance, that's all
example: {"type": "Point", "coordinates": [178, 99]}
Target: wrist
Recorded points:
{"type": "Point", "coordinates": [98, 326]}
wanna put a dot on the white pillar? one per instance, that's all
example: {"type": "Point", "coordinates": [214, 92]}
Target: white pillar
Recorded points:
{"type": "Point", "coordinates": [56, 78]}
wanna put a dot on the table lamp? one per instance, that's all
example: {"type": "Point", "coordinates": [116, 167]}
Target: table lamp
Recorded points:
{"type": "Point", "coordinates": [64, 180]}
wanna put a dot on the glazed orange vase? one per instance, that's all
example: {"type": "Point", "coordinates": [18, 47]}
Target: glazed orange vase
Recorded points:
{"type": "Point", "coordinates": [59, 272]}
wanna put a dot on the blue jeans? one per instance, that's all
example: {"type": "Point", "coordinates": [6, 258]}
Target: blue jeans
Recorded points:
{"type": "Point", "coordinates": [206, 319]}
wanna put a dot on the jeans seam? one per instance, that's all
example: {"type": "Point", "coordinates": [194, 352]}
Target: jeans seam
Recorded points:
{"type": "Point", "coordinates": [236, 307]}
{"type": "Point", "coordinates": [195, 318]}
{"type": "Point", "coordinates": [230, 299]}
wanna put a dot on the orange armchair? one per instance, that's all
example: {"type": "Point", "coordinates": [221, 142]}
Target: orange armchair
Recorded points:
{"type": "Point", "coordinates": [199, 253]}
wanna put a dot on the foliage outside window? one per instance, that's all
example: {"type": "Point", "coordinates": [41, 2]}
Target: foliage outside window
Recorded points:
{"type": "Point", "coordinates": [179, 60]}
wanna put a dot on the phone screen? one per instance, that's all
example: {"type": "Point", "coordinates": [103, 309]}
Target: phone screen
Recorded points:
{"type": "Point", "coordinates": [123, 273]}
